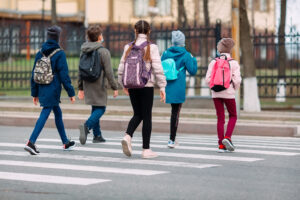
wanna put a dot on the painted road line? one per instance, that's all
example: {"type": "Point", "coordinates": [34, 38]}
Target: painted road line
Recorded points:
{"type": "Point", "coordinates": [178, 155]}
{"type": "Point", "coordinates": [81, 167]}
{"type": "Point", "coordinates": [50, 179]}
{"type": "Point", "coordinates": [268, 146]}
{"type": "Point", "coordinates": [111, 159]}
{"type": "Point", "coordinates": [194, 148]}
{"type": "Point", "coordinates": [214, 139]}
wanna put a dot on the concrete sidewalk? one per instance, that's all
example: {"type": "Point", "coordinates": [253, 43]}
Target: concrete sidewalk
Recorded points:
{"type": "Point", "coordinates": [192, 120]}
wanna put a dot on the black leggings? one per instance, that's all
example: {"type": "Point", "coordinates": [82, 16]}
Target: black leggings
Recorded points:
{"type": "Point", "coordinates": [176, 107]}
{"type": "Point", "coordinates": [142, 102]}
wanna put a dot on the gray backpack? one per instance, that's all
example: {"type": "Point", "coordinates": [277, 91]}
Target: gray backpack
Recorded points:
{"type": "Point", "coordinates": [135, 74]}
{"type": "Point", "coordinates": [42, 73]}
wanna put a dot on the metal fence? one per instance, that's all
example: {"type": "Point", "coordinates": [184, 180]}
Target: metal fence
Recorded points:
{"type": "Point", "coordinates": [20, 41]}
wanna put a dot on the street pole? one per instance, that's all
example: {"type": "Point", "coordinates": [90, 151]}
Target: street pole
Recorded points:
{"type": "Point", "coordinates": [235, 31]}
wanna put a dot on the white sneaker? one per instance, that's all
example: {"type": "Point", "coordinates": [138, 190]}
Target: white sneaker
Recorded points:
{"type": "Point", "coordinates": [148, 153]}
{"type": "Point", "coordinates": [172, 144]}
{"type": "Point", "coordinates": [126, 145]}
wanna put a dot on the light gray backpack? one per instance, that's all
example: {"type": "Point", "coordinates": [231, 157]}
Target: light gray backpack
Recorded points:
{"type": "Point", "coordinates": [42, 73]}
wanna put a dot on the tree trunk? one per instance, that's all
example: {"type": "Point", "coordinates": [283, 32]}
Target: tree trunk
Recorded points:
{"type": "Point", "coordinates": [53, 12]}
{"type": "Point", "coordinates": [206, 13]}
{"type": "Point", "coordinates": [182, 18]}
{"type": "Point", "coordinates": [251, 99]}
{"type": "Point", "coordinates": [197, 13]}
{"type": "Point", "coordinates": [280, 96]}
{"type": "Point", "coordinates": [281, 39]}
{"type": "Point", "coordinates": [204, 48]}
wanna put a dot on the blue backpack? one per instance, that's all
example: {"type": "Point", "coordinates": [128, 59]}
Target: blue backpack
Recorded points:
{"type": "Point", "coordinates": [170, 71]}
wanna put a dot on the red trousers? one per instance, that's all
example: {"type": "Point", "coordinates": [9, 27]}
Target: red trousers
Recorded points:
{"type": "Point", "coordinates": [231, 108]}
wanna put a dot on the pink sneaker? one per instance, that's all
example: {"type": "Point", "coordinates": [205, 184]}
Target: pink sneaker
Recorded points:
{"type": "Point", "coordinates": [148, 153]}
{"type": "Point", "coordinates": [126, 145]}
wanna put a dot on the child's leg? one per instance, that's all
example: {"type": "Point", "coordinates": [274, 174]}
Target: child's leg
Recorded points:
{"type": "Point", "coordinates": [231, 107]}
{"type": "Point", "coordinates": [94, 120]}
{"type": "Point", "coordinates": [174, 120]}
{"type": "Point", "coordinates": [60, 124]}
{"type": "Point", "coordinates": [219, 105]}
{"type": "Point", "coordinates": [136, 102]}
{"type": "Point", "coordinates": [40, 124]}
{"type": "Point", "coordinates": [147, 99]}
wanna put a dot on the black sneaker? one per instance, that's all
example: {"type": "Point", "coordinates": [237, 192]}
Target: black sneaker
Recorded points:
{"type": "Point", "coordinates": [69, 146]}
{"type": "Point", "coordinates": [84, 131]}
{"type": "Point", "coordinates": [98, 139]}
{"type": "Point", "coordinates": [31, 148]}
{"type": "Point", "coordinates": [228, 144]}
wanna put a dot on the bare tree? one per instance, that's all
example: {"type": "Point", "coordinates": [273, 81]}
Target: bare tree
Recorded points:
{"type": "Point", "coordinates": [206, 13]}
{"type": "Point", "coordinates": [53, 12]}
{"type": "Point", "coordinates": [182, 18]}
{"type": "Point", "coordinates": [197, 13]}
{"type": "Point", "coordinates": [251, 100]}
{"type": "Point", "coordinates": [280, 96]}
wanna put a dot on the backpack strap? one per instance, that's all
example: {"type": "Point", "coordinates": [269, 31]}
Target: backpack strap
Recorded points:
{"type": "Point", "coordinates": [54, 52]}
{"type": "Point", "coordinates": [143, 45]}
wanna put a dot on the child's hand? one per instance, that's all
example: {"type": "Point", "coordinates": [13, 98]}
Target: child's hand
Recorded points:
{"type": "Point", "coordinates": [116, 93]}
{"type": "Point", "coordinates": [163, 96]}
{"type": "Point", "coordinates": [126, 91]}
{"type": "Point", "coordinates": [35, 100]}
{"type": "Point", "coordinates": [80, 94]}
{"type": "Point", "coordinates": [72, 99]}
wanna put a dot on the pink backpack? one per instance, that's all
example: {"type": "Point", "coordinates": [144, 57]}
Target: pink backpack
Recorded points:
{"type": "Point", "coordinates": [221, 74]}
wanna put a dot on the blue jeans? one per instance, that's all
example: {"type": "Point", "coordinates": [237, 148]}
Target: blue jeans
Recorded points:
{"type": "Point", "coordinates": [42, 120]}
{"type": "Point", "coordinates": [93, 121]}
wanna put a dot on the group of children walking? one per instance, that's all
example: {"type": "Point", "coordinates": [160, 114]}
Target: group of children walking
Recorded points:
{"type": "Point", "coordinates": [140, 68]}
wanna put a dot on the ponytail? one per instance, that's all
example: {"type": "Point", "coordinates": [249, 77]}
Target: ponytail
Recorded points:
{"type": "Point", "coordinates": [129, 49]}
{"type": "Point", "coordinates": [147, 56]}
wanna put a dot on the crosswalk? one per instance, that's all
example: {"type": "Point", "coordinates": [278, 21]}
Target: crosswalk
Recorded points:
{"type": "Point", "coordinates": [107, 159]}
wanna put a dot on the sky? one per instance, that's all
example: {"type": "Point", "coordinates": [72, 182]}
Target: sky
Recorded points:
{"type": "Point", "coordinates": [292, 15]}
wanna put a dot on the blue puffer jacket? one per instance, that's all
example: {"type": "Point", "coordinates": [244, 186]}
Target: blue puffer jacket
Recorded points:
{"type": "Point", "coordinates": [175, 90]}
{"type": "Point", "coordinates": [49, 95]}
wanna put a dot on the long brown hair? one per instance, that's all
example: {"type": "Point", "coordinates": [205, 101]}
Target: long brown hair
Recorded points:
{"type": "Point", "coordinates": [141, 27]}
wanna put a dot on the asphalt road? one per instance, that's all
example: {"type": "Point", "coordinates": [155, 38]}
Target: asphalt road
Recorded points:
{"type": "Point", "coordinates": [261, 168]}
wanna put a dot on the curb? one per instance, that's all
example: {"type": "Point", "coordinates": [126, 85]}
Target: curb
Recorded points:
{"type": "Point", "coordinates": [195, 127]}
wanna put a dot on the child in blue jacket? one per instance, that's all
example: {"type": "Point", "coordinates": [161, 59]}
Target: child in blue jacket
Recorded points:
{"type": "Point", "coordinates": [175, 90]}
{"type": "Point", "coordinates": [49, 94]}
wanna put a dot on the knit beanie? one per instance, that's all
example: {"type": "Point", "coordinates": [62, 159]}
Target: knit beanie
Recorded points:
{"type": "Point", "coordinates": [225, 45]}
{"type": "Point", "coordinates": [53, 33]}
{"type": "Point", "coordinates": [178, 38]}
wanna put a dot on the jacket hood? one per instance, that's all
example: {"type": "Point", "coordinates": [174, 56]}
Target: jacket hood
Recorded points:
{"type": "Point", "coordinates": [176, 51]}
{"type": "Point", "coordinates": [90, 46]}
{"type": "Point", "coordinates": [49, 46]}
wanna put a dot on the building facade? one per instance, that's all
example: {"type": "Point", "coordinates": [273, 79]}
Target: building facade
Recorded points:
{"type": "Point", "coordinates": [261, 13]}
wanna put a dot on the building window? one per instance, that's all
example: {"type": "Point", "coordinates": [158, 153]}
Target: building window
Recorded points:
{"type": "Point", "coordinates": [263, 5]}
{"type": "Point", "coordinates": [250, 4]}
{"type": "Point", "coordinates": [164, 7]}
{"type": "Point", "coordinates": [143, 7]}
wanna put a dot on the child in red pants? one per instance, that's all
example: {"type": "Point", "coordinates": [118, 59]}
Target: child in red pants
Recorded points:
{"type": "Point", "coordinates": [226, 95]}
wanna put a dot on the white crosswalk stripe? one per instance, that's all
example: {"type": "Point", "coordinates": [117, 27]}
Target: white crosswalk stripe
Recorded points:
{"type": "Point", "coordinates": [50, 179]}
{"type": "Point", "coordinates": [193, 152]}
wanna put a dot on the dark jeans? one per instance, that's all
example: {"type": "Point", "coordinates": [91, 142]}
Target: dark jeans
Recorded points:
{"type": "Point", "coordinates": [93, 121]}
{"type": "Point", "coordinates": [176, 107]}
{"type": "Point", "coordinates": [231, 107]}
{"type": "Point", "coordinates": [142, 102]}
{"type": "Point", "coordinates": [42, 120]}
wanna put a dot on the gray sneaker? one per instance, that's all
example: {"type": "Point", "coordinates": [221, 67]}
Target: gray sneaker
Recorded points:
{"type": "Point", "coordinates": [84, 131]}
{"type": "Point", "coordinates": [98, 139]}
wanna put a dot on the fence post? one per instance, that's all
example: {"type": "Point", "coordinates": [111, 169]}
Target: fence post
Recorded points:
{"type": "Point", "coordinates": [218, 32]}
{"type": "Point", "coordinates": [28, 40]}
{"type": "Point", "coordinates": [107, 39]}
